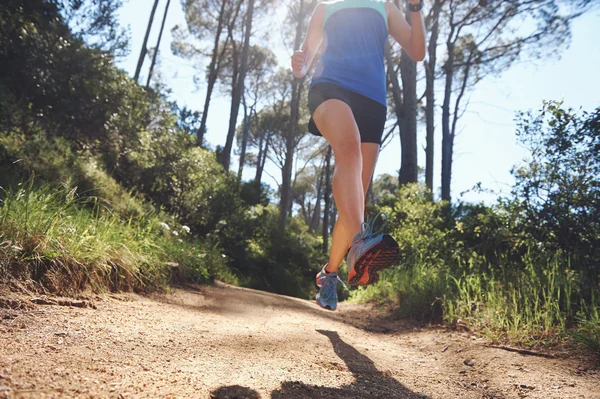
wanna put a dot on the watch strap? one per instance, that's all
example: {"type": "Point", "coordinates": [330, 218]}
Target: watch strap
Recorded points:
{"type": "Point", "coordinates": [415, 7]}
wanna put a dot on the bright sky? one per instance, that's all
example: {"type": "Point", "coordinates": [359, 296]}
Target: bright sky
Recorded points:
{"type": "Point", "coordinates": [486, 149]}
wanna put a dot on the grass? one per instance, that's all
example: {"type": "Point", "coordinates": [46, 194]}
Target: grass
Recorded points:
{"type": "Point", "coordinates": [543, 305]}
{"type": "Point", "coordinates": [67, 243]}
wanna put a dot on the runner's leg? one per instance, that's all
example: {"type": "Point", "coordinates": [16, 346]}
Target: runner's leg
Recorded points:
{"type": "Point", "coordinates": [336, 123]}
{"type": "Point", "coordinates": [341, 238]}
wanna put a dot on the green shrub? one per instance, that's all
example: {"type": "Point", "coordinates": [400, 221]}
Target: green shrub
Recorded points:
{"type": "Point", "coordinates": [474, 264]}
{"type": "Point", "coordinates": [587, 334]}
{"type": "Point", "coordinates": [50, 235]}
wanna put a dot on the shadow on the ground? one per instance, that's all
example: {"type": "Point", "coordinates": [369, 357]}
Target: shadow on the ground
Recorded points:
{"type": "Point", "coordinates": [369, 383]}
{"type": "Point", "coordinates": [234, 392]}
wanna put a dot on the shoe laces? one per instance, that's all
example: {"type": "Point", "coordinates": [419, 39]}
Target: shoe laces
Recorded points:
{"type": "Point", "coordinates": [366, 229]}
{"type": "Point", "coordinates": [329, 286]}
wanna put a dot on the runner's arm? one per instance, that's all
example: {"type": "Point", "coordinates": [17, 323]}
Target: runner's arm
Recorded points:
{"type": "Point", "coordinates": [411, 38]}
{"type": "Point", "coordinates": [303, 58]}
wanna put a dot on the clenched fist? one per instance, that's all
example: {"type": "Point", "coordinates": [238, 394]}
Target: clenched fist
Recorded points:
{"type": "Point", "coordinates": [298, 64]}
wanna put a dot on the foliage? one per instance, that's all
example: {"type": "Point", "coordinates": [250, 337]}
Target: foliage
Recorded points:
{"type": "Point", "coordinates": [47, 234]}
{"type": "Point", "coordinates": [284, 263]}
{"type": "Point", "coordinates": [557, 192]}
{"type": "Point", "coordinates": [128, 159]}
{"type": "Point", "coordinates": [124, 198]}
{"type": "Point", "coordinates": [525, 269]}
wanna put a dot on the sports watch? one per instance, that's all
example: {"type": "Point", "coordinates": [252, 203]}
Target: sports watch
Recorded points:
{"type": "Point", "coordinates": [415, 7]}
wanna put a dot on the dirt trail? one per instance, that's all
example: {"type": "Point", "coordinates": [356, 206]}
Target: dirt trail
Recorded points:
{"type": "Point", "coordinates": [227, 342]}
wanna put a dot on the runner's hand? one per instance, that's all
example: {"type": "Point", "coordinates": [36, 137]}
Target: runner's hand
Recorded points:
{"type": "Point", "coordinates": [298, 61]}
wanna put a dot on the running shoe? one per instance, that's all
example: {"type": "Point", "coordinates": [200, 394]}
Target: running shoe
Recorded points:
{"type": "Point", "coordinates": [327, 296]}
{"type": "Point", "coordinates": [370, 252]}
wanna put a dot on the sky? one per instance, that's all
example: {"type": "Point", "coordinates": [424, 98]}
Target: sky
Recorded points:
{"type": "Point", "coordinates": [486, 149]}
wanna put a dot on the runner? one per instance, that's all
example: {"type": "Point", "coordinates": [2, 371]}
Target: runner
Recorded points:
{"type": "Point", "coordinates": [347, 101]}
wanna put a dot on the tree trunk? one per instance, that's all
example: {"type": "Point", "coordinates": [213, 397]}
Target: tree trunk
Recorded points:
{"type": "Point", "coordinates": [447, 136]}
{"type": "Point", "coordinates": [245, 132]}
{"type": "Point", "coordinates": [316, 216]}
{"type": "Point", "coordinates": [145, 44]}
{"type": "Point", "coordinates": [162, 28]}
{"type": "Point", "coordinates": [430, 65]}
{"type": "Point", "coordinates": [370, 198]}
{"type": "Point", "coordinates": [262, 159]}
{"type": "Point", "coordinates": [286, 181]}
{"type": "Point", "coordinates": [212, 74]}
{"type": "Point", "coordinates": [408, 131]}
{"type": "Point", "coordinates": [238, 89]}
{"type": "Point", "coordinates": [327, 197]}
{"type": "Point", "coordinates": [258, 174]}
{"type": "Point", "coordinates": [396, 90]}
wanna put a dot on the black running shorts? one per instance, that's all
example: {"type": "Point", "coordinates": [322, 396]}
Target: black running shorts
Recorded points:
{"type": "Point", "coordinates": [369, 114]}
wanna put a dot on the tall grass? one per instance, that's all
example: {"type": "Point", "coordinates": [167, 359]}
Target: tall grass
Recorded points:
{"type": "Point", "coordinates": [68, 243]}
{"type": "Point", "coordinates": [539, 305]}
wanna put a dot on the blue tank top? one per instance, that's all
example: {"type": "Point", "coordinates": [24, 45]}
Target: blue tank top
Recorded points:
{"type": "Point", "coordinates": [354, 36]}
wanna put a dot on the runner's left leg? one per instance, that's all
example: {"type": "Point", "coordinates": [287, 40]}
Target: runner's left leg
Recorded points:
{"type": "Point", "coordinates": [339, 247]}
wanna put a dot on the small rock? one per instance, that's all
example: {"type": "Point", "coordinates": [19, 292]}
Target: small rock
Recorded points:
{"type": "Point", "coordinates": [469, 363]}
{"type": "Point", "coordinates": [462, 326]}
{"type": "Point", "coordinates": [523, 386]}
{"type": "Point", "coordinates": [462, 372]}
{"type": "Point", "coordinates": [5, 389]}
{"type": "Point", "coordinates": [556, 387]}
{"type": "Point", "coordinates": [445, 349]}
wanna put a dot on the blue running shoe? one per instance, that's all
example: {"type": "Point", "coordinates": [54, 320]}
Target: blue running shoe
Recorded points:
{"type": "Point", "coordinates": [327, 296]}
{"type": "Point", "coordinates": [370, 252]}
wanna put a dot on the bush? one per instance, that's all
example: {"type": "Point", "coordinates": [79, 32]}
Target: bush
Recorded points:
{"type": "Point", "coordinates": [49, 236]}
{"type": "Point", "coordinates": [474, 263]}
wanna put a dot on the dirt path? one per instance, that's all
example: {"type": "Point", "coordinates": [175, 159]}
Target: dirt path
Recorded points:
{"type": "Point", "coordinates": [227, 342]}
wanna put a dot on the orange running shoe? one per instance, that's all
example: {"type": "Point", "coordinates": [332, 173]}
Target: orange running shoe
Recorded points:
{"type": "Point", "coordinates": [371, 252]}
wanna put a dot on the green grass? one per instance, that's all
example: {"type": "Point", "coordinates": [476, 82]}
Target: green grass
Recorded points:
{"type": "Point", "coordinates": [542, 305]}
{"type": "Point", "coordinates": [67, 243]}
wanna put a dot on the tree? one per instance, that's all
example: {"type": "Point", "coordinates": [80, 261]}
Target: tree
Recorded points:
{"type": "Point", "coordinates": [408, 124]}
{"type": "Point", "coordinates": [205, 20]}
{"type": "Point", "coordinates": [298, 15]}
{"type": "Point", "coordinates": [327, 221]}
{"type": "Point", "coordinates": [557, 191]}
{"type": "Point", "coordinates": [262, 132]}
{"type": "Point", "coordinates": [261, 66]}
{"type": "Point", "coordinates": [404, 98]}
{"type": "Point", "coordinates": [162, 27]}
{"type": "Point", "coordinates": [96, 23]}
{"type": "Point", "coordinates": [238, 87]}
{"type": "Point", "coordinates": [432, 21]}
{"type": "Point", "coordinates": [144, 50]}
{"type": "Point", "coordinates": [486, 37]}
{"type": "Point", "coordinates": [385, 189]}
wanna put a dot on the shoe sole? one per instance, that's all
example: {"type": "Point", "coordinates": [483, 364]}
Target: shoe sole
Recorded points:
{"type": "Point", "coordinates": [380, 256]}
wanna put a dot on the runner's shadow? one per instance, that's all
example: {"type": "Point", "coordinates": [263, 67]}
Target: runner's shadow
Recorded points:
{"type": "Point", "coordinates": [369, 382]}
{"type": "Point", "coordinates": [234, 392]}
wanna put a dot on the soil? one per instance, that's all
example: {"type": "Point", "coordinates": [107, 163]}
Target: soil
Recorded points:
{"type": "Point", "coordinates": [228, 342]}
